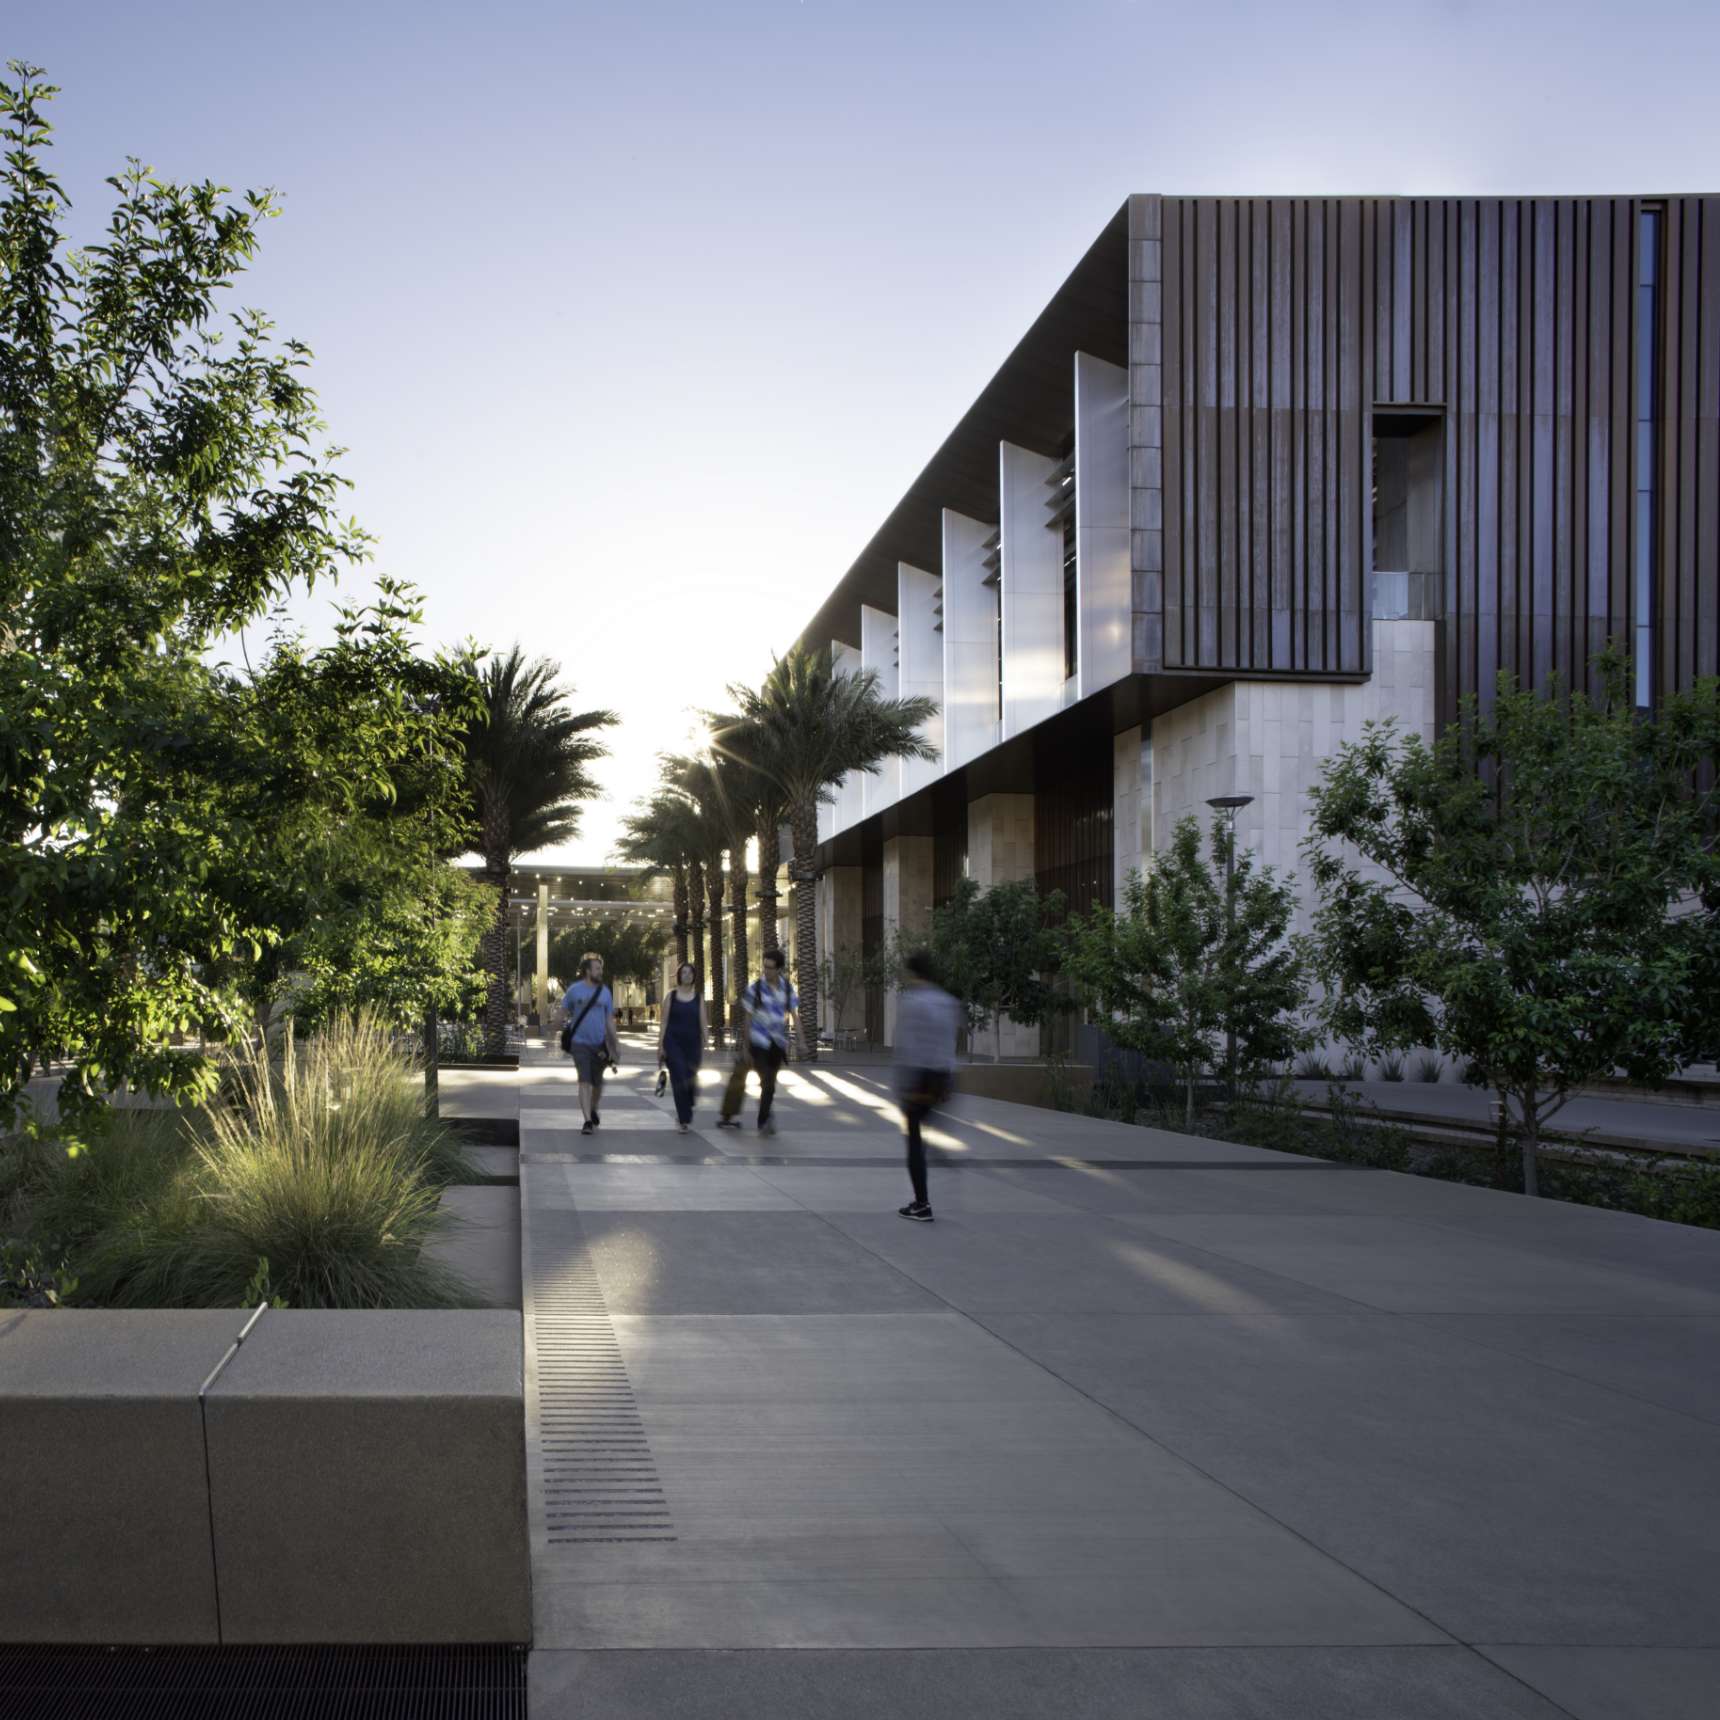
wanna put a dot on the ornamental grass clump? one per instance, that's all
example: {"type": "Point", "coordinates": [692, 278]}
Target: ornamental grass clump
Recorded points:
{"type": "Point", "coordinates": [317, 1175]}
{"type": "Point", "coordinates": [328, 1169]}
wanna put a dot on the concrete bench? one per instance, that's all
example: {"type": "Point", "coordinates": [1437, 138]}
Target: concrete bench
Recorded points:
{"type": "Point", "coordinates": [346, 1477]}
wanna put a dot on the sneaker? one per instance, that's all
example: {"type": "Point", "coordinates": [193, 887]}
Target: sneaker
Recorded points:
{"type": "Point", "coordinates": [728, 1122]}
{"type": "Point", "coordinates": [767, 1128]}
{"type": "Point", "coordinates": [595, 1119]}
{"type": "Point", "coordinates": [585, 1128]}
{"type": "Point", "coordinates": [685, 1128]}
{"type": "Point", "coordinates": [917, 1211]}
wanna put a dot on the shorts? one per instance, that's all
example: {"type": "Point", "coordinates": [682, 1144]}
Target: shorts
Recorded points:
{"type": "Point", "coordinates": [591, 1061]}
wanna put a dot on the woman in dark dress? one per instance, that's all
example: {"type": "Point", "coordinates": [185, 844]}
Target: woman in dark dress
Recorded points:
{"type": "Point", "coordinates": [681, 1043]}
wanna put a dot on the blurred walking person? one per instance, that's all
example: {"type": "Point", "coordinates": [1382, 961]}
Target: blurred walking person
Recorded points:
{"type": "Point", "coordinates": [927, 1022]}
{"type": "Point", "coordinates": [681, 1041]}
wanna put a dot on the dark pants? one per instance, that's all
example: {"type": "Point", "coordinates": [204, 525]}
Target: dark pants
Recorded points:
{"type": "Point", "coordinates": [683, 1066]}
{"type": "Point", "coordinates": [922, 1092]}
{"type": "Point", "coordinates": [767, 1060]}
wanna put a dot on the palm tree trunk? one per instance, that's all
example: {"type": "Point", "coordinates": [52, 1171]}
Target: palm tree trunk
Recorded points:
{"type": "Point", "coordinates": [497, 1005]}
{"type": "Point", "coordinates": [803, 870]}
{"type": "Point", "coordinates": [696, 912]}
{"type": "Point", "coordinates": [738, 913]}
{"type": "Point", "coordinates": [680, 876]}
{"type": "Point", "coordinates": [719, 986]}
{"type": "Point", "coordinates": [769, 860]}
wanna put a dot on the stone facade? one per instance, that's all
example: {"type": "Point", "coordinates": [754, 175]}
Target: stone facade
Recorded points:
{"type": "Point", "coordinates": [839, 910]}
{"type": "Point", "coordinates": [907, 902]}
{"type": "Point", "coordinates": [1270, 738]}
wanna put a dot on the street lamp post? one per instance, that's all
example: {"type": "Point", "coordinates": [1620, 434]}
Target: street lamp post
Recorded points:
{"type": "Point", "coordinates": [1230, 805]}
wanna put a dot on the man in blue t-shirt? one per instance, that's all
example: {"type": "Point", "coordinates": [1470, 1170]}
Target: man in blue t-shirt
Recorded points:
{"type": "Point", "coordinates": [772, 1010]}
{"type": "Point", "coordinates": [590, 1013]}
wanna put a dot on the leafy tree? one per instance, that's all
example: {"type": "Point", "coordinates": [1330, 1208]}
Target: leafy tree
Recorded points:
{"type": "Point", "coordinates": [162, 481]}
{"type": "Point", "coordinates": [529, 757]}
{"type": "Point", "coordinates": [1545, 899]}
{"type": "Point", "coordinates": [841, 972]}
{"type": "Point", "coordinates": [1189, 959]}
{"type": "Point", "coordinates": [394, 951]}
{"type": "Point", "coordinates": [630, 950]}
{"type": "Point", "coordinates": [344, 765]}
{"type": "Point", "coordinates": [806, 728]}
{"type": "Point", "coordinates": [993, 948]}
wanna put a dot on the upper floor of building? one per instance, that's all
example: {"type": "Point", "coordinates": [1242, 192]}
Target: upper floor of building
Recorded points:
{"type": "Point", "coordinates": [1245, 427]}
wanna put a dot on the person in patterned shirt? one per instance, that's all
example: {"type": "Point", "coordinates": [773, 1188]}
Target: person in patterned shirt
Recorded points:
{"type": "Point", "coordinates": [772, 1015]}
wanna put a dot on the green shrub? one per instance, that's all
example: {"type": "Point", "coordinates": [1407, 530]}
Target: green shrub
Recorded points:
{"type": "Point", "coordinates": [1428, 1068]}
{"type": "Point", "coordinates": [1391, 1067]}
{"type": "Point", "coordinates": [1312, 1066]}
{"type": "Point", "coordinates": [1679, 1191]}
{"type": "Point", "coordinates": [313, 1185]}
{"type": "Point", "coordinates": [331, 1173]}
{"type": "Point", "coordinates": [1274, 1118]}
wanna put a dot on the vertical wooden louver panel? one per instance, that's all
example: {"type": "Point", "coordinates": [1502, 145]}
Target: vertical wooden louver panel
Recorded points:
{"type": "Point", "coordinates": [1287, 321]}
{"type": "Point", "coordinates": [1706, 497]}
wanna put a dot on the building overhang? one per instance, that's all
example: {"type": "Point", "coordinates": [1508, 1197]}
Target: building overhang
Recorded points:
{"type": "Point", "coordinates": [1028, 402]}
{"type": "Point", "coordinates": [1038, 757]}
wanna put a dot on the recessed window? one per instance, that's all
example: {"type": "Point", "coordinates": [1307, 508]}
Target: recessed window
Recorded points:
{"type": "Point", "coordinates": [1406, 566]}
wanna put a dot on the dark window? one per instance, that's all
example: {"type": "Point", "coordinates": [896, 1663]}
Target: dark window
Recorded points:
{"type": "Point", "coordinates": [1072, 835]}
{"type": "Point", "coordinates": [1647, 449]}
{"type": "Point", "coordinates": [949, 840]}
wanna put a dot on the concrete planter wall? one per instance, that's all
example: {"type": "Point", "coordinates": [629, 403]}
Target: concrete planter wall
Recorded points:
{"type": "Point", "coordinates": [343, 1477]}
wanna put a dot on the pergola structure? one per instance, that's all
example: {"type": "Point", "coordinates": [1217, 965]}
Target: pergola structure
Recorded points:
{"type": "Point", "coordinates": [540, 896]}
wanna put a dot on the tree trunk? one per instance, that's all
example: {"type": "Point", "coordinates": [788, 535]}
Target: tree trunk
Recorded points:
{"type": "Point", "coordinates": [769, 861]}
{"type": "Point", "coordinates": [738, 914]}
{"type": "Point", "coordinates": [803, 869]}
{"type": "Point", "coordinates": [1188, 1106]}
{"type": "Point", "coordinates": [680, 877]}
{"type": "Point", "coordinates": [1502, 1141]}
{"type": "Point", "coordinates": [1531, 1145]}
{"type": "Point", "coordinates": [719, 985]}
{"type": "Point", "coordinates": [696, 913]}
{"type": "Point", "coordinates": [432, 1059]}
{"type": "Point", "coordinates": [497, 1009]}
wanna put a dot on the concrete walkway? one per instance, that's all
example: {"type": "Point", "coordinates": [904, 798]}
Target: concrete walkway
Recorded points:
{"type": "Point", "coordinates": [1143, 1425]}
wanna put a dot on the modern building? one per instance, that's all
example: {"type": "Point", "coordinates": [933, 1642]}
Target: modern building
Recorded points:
{"type": "Point", "coordinates": [1264, 469]}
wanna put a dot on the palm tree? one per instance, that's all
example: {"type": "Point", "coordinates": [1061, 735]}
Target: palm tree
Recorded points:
{"type": "Point", "coordinates": [696, 780]}
{"type": "Point", "coordinates": [744, 748]}
{"type": "Point", "coordinates": [805, 729]}
{"type": "Point", "coordinates": [659, 836]}
{"type": "Point", "coordinates": [528, 766]}
{"type": "Point", "coordinates": [734, 792]}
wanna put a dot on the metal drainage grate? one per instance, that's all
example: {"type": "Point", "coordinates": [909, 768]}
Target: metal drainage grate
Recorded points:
{"type": "Point", "coordinates": [600, 1480]}
{"type": "Point", "coordinates": [471, 1682]}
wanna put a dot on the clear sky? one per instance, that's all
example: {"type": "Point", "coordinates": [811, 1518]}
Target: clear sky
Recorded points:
{"type": "Point", "coordinates": [637, 319]}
